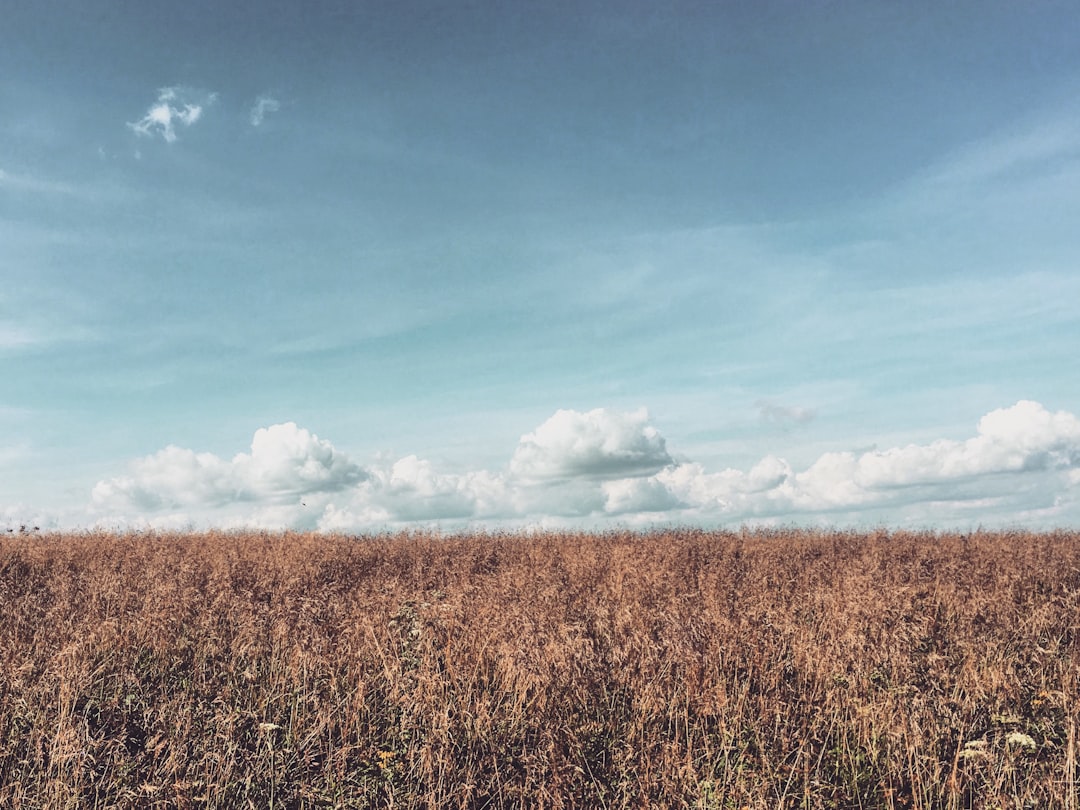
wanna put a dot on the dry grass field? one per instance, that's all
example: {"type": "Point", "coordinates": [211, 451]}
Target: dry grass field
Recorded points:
{"type": "Point", "coordinates": [685, 668]}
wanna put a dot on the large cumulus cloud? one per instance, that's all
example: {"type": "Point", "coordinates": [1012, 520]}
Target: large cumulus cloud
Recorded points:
{"type": "Point", "coordinates": [600, 443]}
{"type": "Point", "coordinates": [285, 461]}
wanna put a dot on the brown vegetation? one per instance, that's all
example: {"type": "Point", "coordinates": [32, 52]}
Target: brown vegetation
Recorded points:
{"type": "Point", "coordinates": [683, 668]}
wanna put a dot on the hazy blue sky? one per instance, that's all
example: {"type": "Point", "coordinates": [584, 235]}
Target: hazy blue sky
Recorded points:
{"type": "Point", "coordinates": [357, 265]}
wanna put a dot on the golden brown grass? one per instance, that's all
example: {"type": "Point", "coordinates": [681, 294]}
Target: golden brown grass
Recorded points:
{"type": "Point", "coordinates": [685, 668]}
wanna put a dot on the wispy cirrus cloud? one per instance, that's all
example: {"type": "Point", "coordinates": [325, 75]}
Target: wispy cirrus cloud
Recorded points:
{"type": "Point", "coordinates": [1017, 179]}
{"type": "Point", "coordinates": [263, 106]}
{"type": "Point", "coordinates": [33, 185]}
{"type": "Point", "coordinates": [1035, 147]}
{"type": "Point", "coordinates": [15, 337]}
{"type": "Point", "coordinates": [175, 107]}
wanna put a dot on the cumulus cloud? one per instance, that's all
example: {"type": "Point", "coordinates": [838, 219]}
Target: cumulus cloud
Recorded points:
{"type": "Point", "coordinates": [412, 490]}
{"type": "Point", "coordinates": [170, 478]}
{"type": "Point", "coordinates": [567, 498]}
{"type": "Point", "coordinates": [263, 106]}
{"type": "Point", "coordinates": [582, 468]}
{"type": "Point", "coordinates": [600, 443]}
{"type": "Point", "coordinates": [1025, 438]}
{"type": "Point", "coordinates": [175, 106]}
{"type": "Point", "coordinates": [285, 461]}
{"type": "Point", "coordinates": [637, 495]}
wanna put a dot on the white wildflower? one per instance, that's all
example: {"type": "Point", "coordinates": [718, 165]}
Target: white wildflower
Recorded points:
{"type": "Point", "coordinates": [1017, 739]}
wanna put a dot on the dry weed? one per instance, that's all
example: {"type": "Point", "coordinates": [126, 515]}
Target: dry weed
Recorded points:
{"type": "Point", "coordinates": [694, 669]}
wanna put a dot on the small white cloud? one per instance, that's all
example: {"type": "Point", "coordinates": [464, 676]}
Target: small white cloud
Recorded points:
{"type": "Point", "coordinates": [263, 106]}
{"type": "Point", "coordinates": [175, 106]}
{"type": "Point", "coordinates": [783, 416]}
{"type": "Point", "coordinates": [601, 444]}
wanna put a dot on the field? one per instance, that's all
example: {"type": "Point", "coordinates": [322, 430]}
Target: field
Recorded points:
{"type": "Point", "coordinates": [684, 668]}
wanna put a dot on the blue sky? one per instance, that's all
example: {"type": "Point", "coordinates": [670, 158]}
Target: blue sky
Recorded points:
{"type": "Point", "coordinates": [357, 266]}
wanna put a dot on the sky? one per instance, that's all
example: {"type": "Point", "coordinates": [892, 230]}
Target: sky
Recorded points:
{"type": "Point", "coordinates": [365, 266]}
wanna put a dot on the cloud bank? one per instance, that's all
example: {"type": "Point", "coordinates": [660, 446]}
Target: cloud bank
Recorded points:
{"type": "Point", "coordinates": [174, 107]}
{"type": "Point", "coordinates": [601, 466]}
